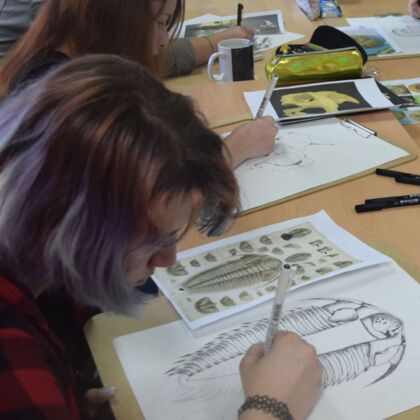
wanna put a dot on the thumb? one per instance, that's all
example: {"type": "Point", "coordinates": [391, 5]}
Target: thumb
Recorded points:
{"type": "Point", "coordinates": [254, 353]}
{"type": "Point", "coordinates": [99, 395]}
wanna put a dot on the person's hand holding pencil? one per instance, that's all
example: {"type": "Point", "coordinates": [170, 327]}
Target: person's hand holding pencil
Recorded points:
{"type": "Point", "coordinates": [290, 373]}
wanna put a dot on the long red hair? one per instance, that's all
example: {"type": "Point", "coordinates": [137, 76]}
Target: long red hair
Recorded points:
{"type": "Point", "coordinates": [121, 27]}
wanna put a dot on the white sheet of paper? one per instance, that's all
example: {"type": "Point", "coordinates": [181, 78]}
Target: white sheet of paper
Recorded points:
{"type": "Point", "coordinates": [369, 303]}
{"type": "Point", "coordinates": [309, 155]}
{"type": "Point", "coordinates": [323, 251]}
{"type": "Point", "coordinates": [367, 88]}
{"type": "Point", "coordinates": [262, 42]}
{"type": "Point", "coordinates": [403, 31]}
{"type": "Point", "coordinates": [373, 34]}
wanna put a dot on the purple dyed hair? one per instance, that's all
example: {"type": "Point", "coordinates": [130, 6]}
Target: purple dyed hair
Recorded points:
{"type": "Point", "coordinates": [85, 154]}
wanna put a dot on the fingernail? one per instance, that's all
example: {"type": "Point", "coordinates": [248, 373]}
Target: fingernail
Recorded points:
{"type": "Point", "coordinates": [107, 392]}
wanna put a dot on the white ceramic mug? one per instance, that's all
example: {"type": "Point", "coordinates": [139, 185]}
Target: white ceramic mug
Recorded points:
{"type": "Point", "coordinates": [236, 61]}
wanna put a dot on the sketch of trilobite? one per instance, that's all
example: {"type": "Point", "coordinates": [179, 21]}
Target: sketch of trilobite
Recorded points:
{"type": "Point", "coordinates": [324, 270]}
{"type": "Point", "coordinates": [252, 269]}
{"type": "Point", "coordinates": [301, 256]}
{"type": "Point", "coordinates": [227, 301]}
{"type": "Point", "coordinates": [408, 31]}
{"type": "Point", "coordinates": [266, 240]}
{"type": "Point", "coordinates": [294, 246]}
{"type": "Point", "coordinates": [206, 306]}
{"type": "Point", "coordinates": [296, 233]}
{"type": "Point", "coordinates": [245, 246]}
{"type": "Point", "coordinates": [210, 257]}
{"type": "Point", "coordinates": [195, 263]}
{"type": "Point", "coordinates": [343, 264]}
{"type": "Point", "coordinates": [177, 270]}
{"type": "Point", "coordinates": [245, 296]}
{"type": "Point", "coordinates": [383, 343]}
{"type": "Point", "coordinates": [276, 250]}
{"type": "Point", "coordinates": [291, 151]}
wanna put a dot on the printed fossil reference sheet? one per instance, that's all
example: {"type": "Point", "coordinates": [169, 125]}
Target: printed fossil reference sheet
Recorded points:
{"type": "Point", "coordinates": [320, 100]}
{"type": "Point", "coordinates": [212, 281]}
{"type": "Point", "coordinates": [364, 325]}
{"type": "Point", "coordinates": [312, 155]}
{"type": "Point", "coordinates": [268, 26]}
{"type": "Point", "coordinates": [402, 32]}
{"type": "Point", "coordinates": [409, 91]}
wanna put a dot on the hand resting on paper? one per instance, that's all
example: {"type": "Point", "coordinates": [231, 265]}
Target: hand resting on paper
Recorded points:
{"type": "Point", "coordinates": [251, 140]}
{"type": "Point", "coordinates": [414, 8]}
{"type": "Point", "coordinates": [290, 373]}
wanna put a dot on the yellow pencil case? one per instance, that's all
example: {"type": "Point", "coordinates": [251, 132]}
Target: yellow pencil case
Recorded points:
{"type": "Point", "coordinates": [316, 66]}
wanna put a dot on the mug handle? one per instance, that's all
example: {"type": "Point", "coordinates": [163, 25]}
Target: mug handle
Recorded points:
{"type": "Point", "coordinates": [214, 77]}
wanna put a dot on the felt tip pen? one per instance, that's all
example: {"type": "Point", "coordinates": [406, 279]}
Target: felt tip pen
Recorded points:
{"type": "Point", "coordinates": [283, 285]}
{"type": "Point", "coordinates": [267, 96]}
{"type": "Point", "coordinates": [363, 208]}
{"type": "Point", "coordinates": [392, 174]}
{"type": "Point", "coordinates": [386, 199]}
{"type": "Point", "coordinates": [413, 179]}
{"type": "Point", "coordinates": [239, 14]}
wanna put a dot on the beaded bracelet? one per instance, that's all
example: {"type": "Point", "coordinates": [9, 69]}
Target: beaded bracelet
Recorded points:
{"type": "Point", "coordinates": [278, 409]}
{"type": "Point", "coordinates": [210, 43]}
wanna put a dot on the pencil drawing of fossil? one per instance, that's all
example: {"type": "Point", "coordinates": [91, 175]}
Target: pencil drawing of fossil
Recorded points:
{"type": "Point", "coordinates": [324, 270]}
{"type": "Point", "coordinates": [385, 347]}
{"type": "Point", "coordinates": [177, 269]}
{"type": "Point", "coordinates": [233, 251]}
{"type": "Point", "coordinates": [206, 306]}
{"type": "Point", "coordinates": [302, 256]}
{"type": "Point", "coordinates": [296, 233]}
{"type": "Point", "coordinates": [263, 249]}
{"type": "Point", "coordinates": [245, 246]}
{"type": "Point", "coordinates": [248, 270]}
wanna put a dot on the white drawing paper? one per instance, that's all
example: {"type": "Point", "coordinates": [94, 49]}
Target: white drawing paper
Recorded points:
{"type": "Point", "coordinates": [271, 36]}
{"type": "Point", "coordinates": [225, 277]}
{"type": "Point", "coordinates": [401, 31]}
{"type": "Point", "coordinates": [364, 325]}
{"type": "Point", "coordinates": [315, 100]}
{"type": "Point", "coordinates": [310, 155]}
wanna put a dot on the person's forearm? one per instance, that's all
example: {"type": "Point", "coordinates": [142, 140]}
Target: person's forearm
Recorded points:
{"type": "Point", "coordinates": [203, 48]}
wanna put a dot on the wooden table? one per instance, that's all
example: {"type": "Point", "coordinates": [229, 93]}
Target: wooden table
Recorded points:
{"type": "Point", "coordinates": [398, 228]}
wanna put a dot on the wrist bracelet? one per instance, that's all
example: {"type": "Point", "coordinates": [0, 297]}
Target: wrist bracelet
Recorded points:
{"type": "Point", "coordinates": [277, 409]}
{"type": "Point", "coordinates": [210, 43]}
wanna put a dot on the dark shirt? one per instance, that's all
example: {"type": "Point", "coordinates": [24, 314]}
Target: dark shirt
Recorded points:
{"type": "Point", "coordinates": [35, 382]}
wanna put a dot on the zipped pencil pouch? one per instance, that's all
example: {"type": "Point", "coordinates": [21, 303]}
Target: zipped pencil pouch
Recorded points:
{"type": "Point", "coordinates": [315, 66]}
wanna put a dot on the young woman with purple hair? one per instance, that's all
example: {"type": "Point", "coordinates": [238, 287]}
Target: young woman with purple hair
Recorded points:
{"type": "Point", "coordinates": [102, 170]}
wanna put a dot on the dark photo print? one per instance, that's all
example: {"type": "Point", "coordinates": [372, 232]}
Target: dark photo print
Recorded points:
{"type": "Point", "coordinates": [322, 99]}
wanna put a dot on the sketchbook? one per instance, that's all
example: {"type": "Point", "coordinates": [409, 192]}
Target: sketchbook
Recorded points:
{"type": "Point", "coordinates": [213, 281]}
{"type": "Point", "coordinates": [363, 324]}
{"type": "Point", "coordinates": [268, 26]}
{"type": "Point", "coordinates": [320, 100]}
{"type": "Point", "coordinates": [402, 33]}
{"type": "Point", "coordinates": [313, 155]}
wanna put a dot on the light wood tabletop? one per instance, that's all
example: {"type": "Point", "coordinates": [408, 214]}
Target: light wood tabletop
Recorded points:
{"type": "Point", "coordinates": [399, 228]}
